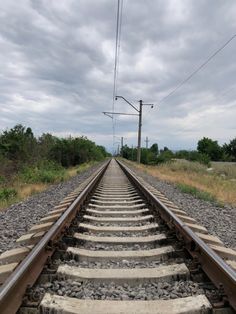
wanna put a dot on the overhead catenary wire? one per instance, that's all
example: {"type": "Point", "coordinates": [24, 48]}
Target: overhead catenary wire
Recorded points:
{"type": "Point", "coordinates": [116, 61]}
{"type": "Point", "coordinates": [198, 69]}
{"type": "Point", "coordinates": [118, 57]}
{"type": "Point", "coordinates": [116, 51]}
{"type": "Point", "coordinates": [115, 72]}
{"type": "Point", "coordinates": [118, 45]}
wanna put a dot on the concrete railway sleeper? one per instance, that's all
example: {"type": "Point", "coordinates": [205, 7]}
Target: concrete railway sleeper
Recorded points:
{"type": "Point", "coordinates": [116, 245]}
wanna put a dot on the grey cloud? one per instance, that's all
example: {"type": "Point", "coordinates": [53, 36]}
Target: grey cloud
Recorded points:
{"type": "Point", "coordinates": [57, 60]}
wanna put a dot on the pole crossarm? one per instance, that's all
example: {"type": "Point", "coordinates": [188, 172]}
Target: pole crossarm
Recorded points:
{"type": "Point", "coordinates": [120, 113]}
{"type": "Point", "coordinates": [127, 102]}
{"type": "Point", "coordinates": [139, 114]}
{"type": "Point", "coordinates": [108, 115]}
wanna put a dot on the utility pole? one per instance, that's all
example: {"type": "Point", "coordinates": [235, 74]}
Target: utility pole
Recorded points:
{"type": "Point", "coordinates": [122, 144]}
{"type": "Point", "coordinates": [140, 114]}
{"type": "Point", "coordinates": [139, 130]}
{"type": "Point", "coordinates": [146, 141]}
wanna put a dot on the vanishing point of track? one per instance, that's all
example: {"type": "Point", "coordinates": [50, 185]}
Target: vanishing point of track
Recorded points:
{"type": "Point", "coordinates": [134, 251]}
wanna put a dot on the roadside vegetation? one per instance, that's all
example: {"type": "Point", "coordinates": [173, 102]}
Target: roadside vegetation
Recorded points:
{"type": "Point", "coordinates": [188, 189]}
{"type": "Point", "coordinates": [208, 173]}
{"type": "Point", "coordinates": [29, 164]}
{"type": "Point", "coordinates": [216, 185]}
{"type": "Point", "coordinates": [207, 150]}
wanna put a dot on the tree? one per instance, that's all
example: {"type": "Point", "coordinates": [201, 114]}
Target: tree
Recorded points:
{"type": "Point", "coordinates": [73, 151]}
{"type": "Point", "coordinates": [230, 150]}
{"type": "Point", "coordinates": [102, 149]}
{"type": "Point", "coordinates": [129, 153]}
{"type": "Point", "coordinates": [154, 149]}
{"type": "Point", "coordinates": [18, 144]}
{"type": "Point", "coordinates": [209, 147]}
{"type": "Point", "coordinates": [45, 143]}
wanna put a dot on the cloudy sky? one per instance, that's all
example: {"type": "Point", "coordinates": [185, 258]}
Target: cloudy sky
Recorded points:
{"type": "Point", "coordinates": [57, 61]}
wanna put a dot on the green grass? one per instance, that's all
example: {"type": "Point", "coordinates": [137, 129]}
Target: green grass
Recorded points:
{"type": "Point", "coordinates": [7, 193]}
{"type": "Point", "coordinates": [188, 189]}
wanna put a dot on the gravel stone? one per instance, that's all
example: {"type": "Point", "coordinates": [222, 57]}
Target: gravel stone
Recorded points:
{"type": "Point", "coordinates": [113, 291]}
{"type": "Point", "coordinates": [124, 263]}
{"type": "Point", "coordinates": [119, 224]}
{"type": "Point", "coordinates": [219, 221]}
{"type": "Point", "coordinates": [124, 234]}
{"type": "Point", "coordinates": [117, 247]}
{"type": "Point", "coordinates": [18, 218]}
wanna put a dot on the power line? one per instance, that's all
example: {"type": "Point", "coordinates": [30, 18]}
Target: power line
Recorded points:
{"type": "Point", "coordinates": [119, 40]}
{"type": "Point", "coordinates": [198, 69]}
{"type": "Point", "coordinates": [116, 62]}
{"type": "Point", "coordinates": [115, 67]}
{"type": "Point", "coordinates": [116, 48]}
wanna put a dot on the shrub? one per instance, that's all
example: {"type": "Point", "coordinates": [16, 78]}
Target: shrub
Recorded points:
{"type": "Point", "coordinates": [45, 172]}
{"type": "Point", "coordinates": [165, 156]}
{"type": "Point", "coordinates": [200, 157]}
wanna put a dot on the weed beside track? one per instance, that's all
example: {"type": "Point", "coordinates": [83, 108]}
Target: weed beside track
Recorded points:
{"type": "Point", "coordinates": [215, 184]}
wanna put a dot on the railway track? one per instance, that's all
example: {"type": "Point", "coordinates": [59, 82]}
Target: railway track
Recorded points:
{"type": "Point", "coordinates": [116, 245]}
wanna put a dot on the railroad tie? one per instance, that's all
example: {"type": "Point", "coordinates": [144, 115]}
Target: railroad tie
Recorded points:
{"type": "Point", "coordinates": [119, 256]}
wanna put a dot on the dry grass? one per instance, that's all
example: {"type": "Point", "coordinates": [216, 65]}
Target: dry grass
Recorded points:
{"type": "Point", "coordinates": [24, 190]}
{"type": "Point", "coordinates": [220, 182]}
{"type": "Point", "coordinates": [71, 172]}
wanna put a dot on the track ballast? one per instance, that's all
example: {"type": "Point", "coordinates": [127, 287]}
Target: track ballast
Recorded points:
{"type": "Point", "coordinates": [119, 256]}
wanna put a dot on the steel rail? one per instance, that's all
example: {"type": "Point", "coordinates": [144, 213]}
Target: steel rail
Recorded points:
{"type": "Point", "coordinates": [219, 272]}
{"type": "Point", "coordinates": [24, 276]}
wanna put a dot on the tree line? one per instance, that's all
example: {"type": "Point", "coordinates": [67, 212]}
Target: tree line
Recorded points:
{"type": "Point", "coordinates": [20, 147]}
{"type": "Point", "coordinates": [207, 150]}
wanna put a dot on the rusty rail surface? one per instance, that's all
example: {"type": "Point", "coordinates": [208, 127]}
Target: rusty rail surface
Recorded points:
{"type": "Point", "coordinates": [219, 272]}
{"type": "Point", "coordinates": [25, 275]}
